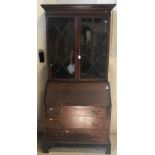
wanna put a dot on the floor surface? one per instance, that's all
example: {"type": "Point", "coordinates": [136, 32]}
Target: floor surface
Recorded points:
{"type": "Point", "coordinates": [81, 151]}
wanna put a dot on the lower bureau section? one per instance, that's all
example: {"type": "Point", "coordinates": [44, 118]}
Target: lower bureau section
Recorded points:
{"type": "Point", "coordinates": [77, 135]}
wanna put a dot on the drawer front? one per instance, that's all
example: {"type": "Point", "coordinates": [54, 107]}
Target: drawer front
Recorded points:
{"type": "Point", "coordinates": [76, 111]}
{"type": "Point", "coordinates": [78, 135]}
{"type": "Point", "coordinates": [77, 123]}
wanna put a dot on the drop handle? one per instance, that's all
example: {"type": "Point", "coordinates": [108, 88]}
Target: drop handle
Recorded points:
{"type": "Point", "coordinates": [55, 111]}
{"type": "Point", "coordinates": [96, 112]}
{"type": "Point", "coordinates": [57, 122]}
{"type": "Point", "coordinates": [95, 124]}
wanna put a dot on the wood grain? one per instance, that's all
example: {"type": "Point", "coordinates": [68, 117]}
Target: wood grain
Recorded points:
{"type": "Point", "coordinates": [77, 94]}
{"type": "Point", "coordinates": [76, 123]}
{"type": "Point", "coordinates": [76, 111]}
{"type": "Point", "coordinates": [78, 135]}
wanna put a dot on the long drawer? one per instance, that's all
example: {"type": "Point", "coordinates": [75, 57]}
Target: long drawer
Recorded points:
{"type": "Point", "coordinates": [77, 111]}
{"type": "Point", "coordinates": [77, 123]}
{"type": "Point", "coordinates": [78, 135]}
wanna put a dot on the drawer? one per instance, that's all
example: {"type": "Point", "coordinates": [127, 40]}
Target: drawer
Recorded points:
{"type": "Point", "coordinates": [77, 123]}
{"type": "Point", "coordinates": [78, 135]}
{"type": "Point", "coordinates": [76, 111]}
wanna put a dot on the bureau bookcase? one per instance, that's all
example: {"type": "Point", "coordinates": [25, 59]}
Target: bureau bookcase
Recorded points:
{"type": "Point", "coordinates": [77, 95]}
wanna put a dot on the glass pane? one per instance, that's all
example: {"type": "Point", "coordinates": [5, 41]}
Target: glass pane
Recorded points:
{"type": "Point", "coordinates": [62, 47]}
{"type": "Point", "coordinates": [93, 48]}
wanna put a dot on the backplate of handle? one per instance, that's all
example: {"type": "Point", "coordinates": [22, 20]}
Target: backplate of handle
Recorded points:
{"type": "Point", "coordinates": [96, 112]}
{"type": "Point", "coordinates": [95, 124]}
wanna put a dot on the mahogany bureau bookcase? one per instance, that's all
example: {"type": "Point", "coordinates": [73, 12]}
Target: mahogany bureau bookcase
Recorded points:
{"type": "Point", "coordinates": [77, 95]}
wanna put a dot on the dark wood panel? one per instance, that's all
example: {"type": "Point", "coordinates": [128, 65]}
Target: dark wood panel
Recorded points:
{"type": "Point", "coordinates": [77, 123]}
{"type": "Point", "coordinates": [78, 135]}
{"type": "Point", "coordinates": [77, 93]}
{"type": "Point", "coordinates": [78, 9]}
{"type": "Point", "coordinates": [76, 111]}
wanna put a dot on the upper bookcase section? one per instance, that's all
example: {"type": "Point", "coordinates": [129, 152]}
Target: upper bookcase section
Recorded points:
{"type": "Point", "coordinates": [78, 8]}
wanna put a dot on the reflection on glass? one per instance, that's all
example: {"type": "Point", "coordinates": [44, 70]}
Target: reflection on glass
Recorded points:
{"type": "Point", "coordinates": [93, 47]}
{"type": "Point", "coordinates": [61, 47]}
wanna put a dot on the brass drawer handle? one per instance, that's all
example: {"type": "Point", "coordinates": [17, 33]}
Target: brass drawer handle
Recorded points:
{"type": "Point", "coordinates": [56, 121]}
{"type": "Point", "coordinates": [56, 112]}
{"type": "Point", "coordinates": [59, 135]}
{"type": "Point", "coordinates": [96, 112]}
{"type": "Point", "coordinates": [57, 124]}
{"type": "Point", "coordinates": [95, 135]}
{"type": "Point", "coordinates": [95, 124]}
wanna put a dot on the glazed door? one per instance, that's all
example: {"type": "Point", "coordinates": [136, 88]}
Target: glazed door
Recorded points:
{"type": "Point", "coordinates": [77, 47]}
{"type": "Point", "coordinates": [93, 48]}
{"type": "Point", "coordinates": [61, 47]}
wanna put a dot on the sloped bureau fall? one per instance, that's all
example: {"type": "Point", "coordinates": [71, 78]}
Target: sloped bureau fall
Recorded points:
{"type": "Point", "coordinates": [77, 95]}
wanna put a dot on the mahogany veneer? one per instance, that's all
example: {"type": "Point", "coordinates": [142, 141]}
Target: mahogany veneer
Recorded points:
{"type": "Point", "coordinates": [77, 96]}
{"type": "Point", "coordinates": [77, 111]}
